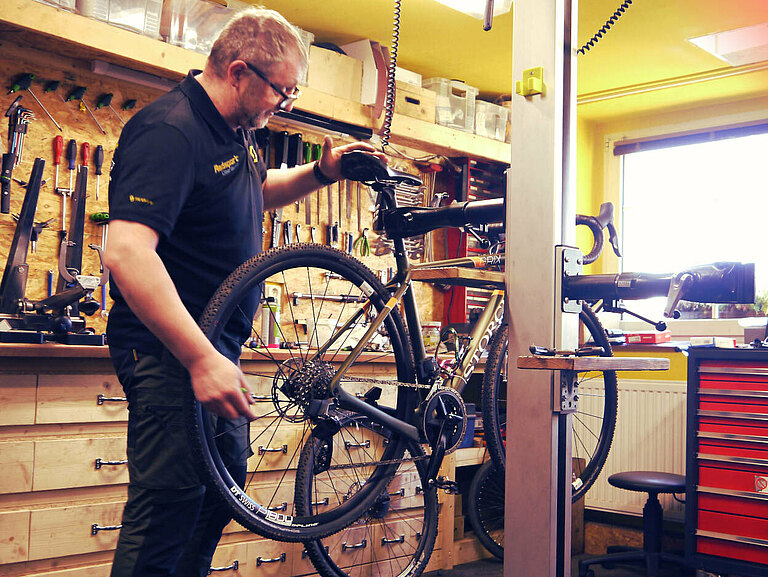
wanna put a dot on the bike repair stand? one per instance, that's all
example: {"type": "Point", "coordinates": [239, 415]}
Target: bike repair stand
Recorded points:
{"type": "Point", "coordinates": [565, 399]}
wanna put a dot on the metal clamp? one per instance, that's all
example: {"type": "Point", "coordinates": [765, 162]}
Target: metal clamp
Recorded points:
{"type": "Point", "coordinates": [263, 449]}
{"type": "Point", "coordinates": [101, 399]}
{"type": "Point", "coordinates": [280, 559]}
{"type": "Point", "coordinates": [281, 507]}
{"type": "Point", "coordinates": [234, 567]}
{"type": "Point", "coordinates": [99, 463]}
{"type": "Point", "coordinates": [350, 445]}
{"type": "Point", "coordinates": [400, 493]}
{"type": "Point", "coordinates": [322, 503]}
{"type": "Point", "coordinates": [569, 391]}
{"type": "Point", "coordinates": [95, 528]}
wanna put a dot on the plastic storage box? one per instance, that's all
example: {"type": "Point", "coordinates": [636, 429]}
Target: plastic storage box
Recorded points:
{"type": "Point", "coordinates": [195, 24]}
{"type": "Point", "coordinates": [490, 120]}
{"type": "Point", "coordinates": [455, 103]}
{"type": "Point", "coordinates": [64, 4]}
{"type": "Point", "coordinates": [142, 16]}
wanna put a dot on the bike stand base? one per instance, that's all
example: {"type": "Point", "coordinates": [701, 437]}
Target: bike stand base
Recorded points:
{"type": "Point", "coordinates": [78, 339]}
{"type": "Point", "coordinates": [22, 337]}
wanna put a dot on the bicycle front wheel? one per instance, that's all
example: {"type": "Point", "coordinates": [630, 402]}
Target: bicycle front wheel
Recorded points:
{"type": "Point", "coordinates": [593, 423]}
{"type": "Point", "coordinates": [395, 536]}
{"type": "Point", "coordinates": [485, 507]}
{"type": "Point", "coordinates": [319, 301]}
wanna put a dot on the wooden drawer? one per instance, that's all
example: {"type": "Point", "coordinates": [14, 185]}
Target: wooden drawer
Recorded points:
{"type": "Point", "coordinates": [64, 463]}
{"type": "Point", "coordinates": [398, 536]}
{"type": "Point", "coordinates": [17, 398]}
{"type": "Point", "coordinates": [14, 536]}
{"type": "Point", "coordinates": [80, 398]}
{"type": "Point", "coordinates": [231, 561]}
{"type": "Point", "coordinates": [62, 531]}
{"type": "Point", "coordinates": [352, 546]}
{"type": "Point", "coordinates": [270, 558]}
{"type": "Point", "coordinates": [16, 464]}
{"type": "Point", "coordinates": [301, 563]}
{"type": "Point", "coordinates": [274, 448]}
{"type": "Point", "coordinates": [100, 570]}
{"type": "Point", "coordinates": [273, 490]}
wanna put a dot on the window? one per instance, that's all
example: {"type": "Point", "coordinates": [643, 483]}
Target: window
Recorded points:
{"type": "Point", "coordinates": [687, 202]}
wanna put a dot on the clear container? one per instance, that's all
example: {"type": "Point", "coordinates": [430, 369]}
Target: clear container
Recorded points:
{"type": "Point", "coordinates": [142, 16]}
{"type": "Point", "coordinates": [70, 5]}
{"type": "Point", "coordinates": [430, 332]}
{"type": "Point", "coordinates": [96, 9]}
{"type": "Point", "coordinates": [490, 120]}
{"type": "Point", "coordinates": [195, 24]}
{"type": "Point", "coordinates": [455, 103]}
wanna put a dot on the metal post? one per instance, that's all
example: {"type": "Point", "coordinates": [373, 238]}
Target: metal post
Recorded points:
{"type": "Point", "coordinates": [540, 215]}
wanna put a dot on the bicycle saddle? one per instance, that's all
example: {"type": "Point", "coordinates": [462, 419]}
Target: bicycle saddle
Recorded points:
{"type": "Point", "coordinates": [365, 167]}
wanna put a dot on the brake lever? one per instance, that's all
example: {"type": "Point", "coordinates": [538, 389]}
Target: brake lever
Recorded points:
{"type": "Point", "coordinates": [484, 242]}
{"type": "Point", "coordinates": [613, 238]}
{"type": "Point", "coordinates": [679, 283]}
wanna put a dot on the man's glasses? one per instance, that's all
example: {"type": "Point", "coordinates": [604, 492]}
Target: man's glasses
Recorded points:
{"type": "Point", "coordinates": [287, 98]}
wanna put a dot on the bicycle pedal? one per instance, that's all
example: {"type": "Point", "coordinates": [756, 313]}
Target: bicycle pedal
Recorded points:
{"type": "Point", "coordinates": [450, 487]}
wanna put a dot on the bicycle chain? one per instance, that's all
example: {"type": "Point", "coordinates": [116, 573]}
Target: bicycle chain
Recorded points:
{"type": "Point", "coordinates": [387, 383]}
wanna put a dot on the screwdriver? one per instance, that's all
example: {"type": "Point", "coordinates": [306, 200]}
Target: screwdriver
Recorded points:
{"type": "Point", "coordinates": [98, 162]}
{"type": "Point", "coordinates": [58, 148]}
{"type": "Point", "coordinates": [106, 100]}
{"type": "Point", "coordinates": [77, 94]}
{"type": "Point", "coordinates": [24, 82]}
{"type": "Point", "coordinates": [71, 159]}
{"type": "Point", "coordinates": [85, 153]}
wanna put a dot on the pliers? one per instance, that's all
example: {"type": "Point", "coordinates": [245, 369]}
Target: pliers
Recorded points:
{"type": "Point", "coordinates": [362, 245]}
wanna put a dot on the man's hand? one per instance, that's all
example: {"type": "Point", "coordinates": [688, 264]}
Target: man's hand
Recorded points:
{"type": "Point", "coordinates": [220, 387]}
{"type": "Point", "coordinates": [330, 160]}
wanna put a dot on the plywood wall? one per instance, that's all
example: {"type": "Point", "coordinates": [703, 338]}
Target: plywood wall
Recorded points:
{"type": "Point", "coordinates": [77, 124]}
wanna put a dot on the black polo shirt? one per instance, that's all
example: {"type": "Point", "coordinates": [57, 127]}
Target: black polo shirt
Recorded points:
{"type": "Point", "coordinates": [180, 169]}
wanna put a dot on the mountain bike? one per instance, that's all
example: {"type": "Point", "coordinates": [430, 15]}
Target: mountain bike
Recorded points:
{"type": "Point", "coordinates": [333, 316]}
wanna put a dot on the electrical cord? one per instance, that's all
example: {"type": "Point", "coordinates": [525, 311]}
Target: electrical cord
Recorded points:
{"type": "Point", "coordinates": [605, 27]}
{"type": "Point", "coordinates": [389, 102]}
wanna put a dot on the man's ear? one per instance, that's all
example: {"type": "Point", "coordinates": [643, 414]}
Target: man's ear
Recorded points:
{"type": "Point", "coordinates": [235, 71]}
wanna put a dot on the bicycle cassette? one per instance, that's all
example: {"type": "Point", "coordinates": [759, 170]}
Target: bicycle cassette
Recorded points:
{"type": "Point", "coordinates": [444, 412]}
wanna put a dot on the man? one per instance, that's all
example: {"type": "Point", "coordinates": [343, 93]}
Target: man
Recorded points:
{"type": "Point", "coordinates": [187, 196]}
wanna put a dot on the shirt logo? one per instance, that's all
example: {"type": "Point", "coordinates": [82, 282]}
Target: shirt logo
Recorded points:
{"type": "Point", "coordinates": [254, 154]}
{"type": "Point", "coordinates": [140, 200]}
{"type": "Point", "coordinates": [227, 166]}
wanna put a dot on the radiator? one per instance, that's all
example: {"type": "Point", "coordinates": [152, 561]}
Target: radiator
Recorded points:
{"type": "Point", "coordinates": [650, 436]}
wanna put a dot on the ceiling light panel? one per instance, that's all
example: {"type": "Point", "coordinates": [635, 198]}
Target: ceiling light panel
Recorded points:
{"type": "Point", "coordinates": [739, 46]}
{"type": "Point", "coordinates": [476, 8]}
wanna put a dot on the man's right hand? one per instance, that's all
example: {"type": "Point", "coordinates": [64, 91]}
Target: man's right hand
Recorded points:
{"type": "Point", "coordinates": [220, 387]}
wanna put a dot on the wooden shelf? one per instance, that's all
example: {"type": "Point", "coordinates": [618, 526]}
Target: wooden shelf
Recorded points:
{"type": "Point", "coordinates": [31, 23]}
{"type": "Point", "coordinates": [468, 277]}
{"type": "Point", "coordinates": [585, 364]}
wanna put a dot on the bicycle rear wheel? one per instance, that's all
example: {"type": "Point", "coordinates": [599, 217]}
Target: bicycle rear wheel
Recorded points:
{"type": "Point", "coordinates": [593, 423]}
{"type": "Point", "coordinates": [288, 383]}
{"type": "Point", "coordinates": [396, 535]}
{"type": "Point", "coordinates": [485, 507]}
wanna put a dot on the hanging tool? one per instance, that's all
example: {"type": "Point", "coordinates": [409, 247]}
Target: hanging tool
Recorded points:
{"type": "Point", "coordinates": [37, 228]}
{"type": "Point", "coordinates": [359, 209]}
{"type": "Point", "coordinates": [306, 159]}
{"type": "Point", "coordinates": [362, 245]}
{"type": "Point", "coordinates": [106, 100]}
{"type": "Point", "coordinates": [24, 183]}
{"type": "Point", "coordinates": [287, 232]}
{"type": "Point", "coordinates": [313, 234]}
{"type": "Point", "coordinates": [317, 151]}
{"type": "Point", "coordinates": [101, 219]}
{"type": "Point", "coordinates": [18, 123]}
{"type": "Point", "coordinates": [348, 185]}
{"type": "Point", "coordinates": [65, 193]}
{"type": "Point", "coordinates": [98, 162]}
{"type": "Point", "coordinates": [24, 82]}
{"type": "Point", "coordinates": [277, 218]}
{"type": "Point", "coordinates": [53, 86]}
{"type": "Point", "coordinates": [129, 104]}
{"type": "Point", "coordinates": [58, 148]}
{"type": "Point", "coordinates": [77, 94]}
{"type": "Point", "coordinates": [298, 232]}
{"type": "Point", "coordinates": [5, 183]}
{"type": "Point", "coordinates": [295, 154]}
{"type": "Point", "coordinates": [85, 153]}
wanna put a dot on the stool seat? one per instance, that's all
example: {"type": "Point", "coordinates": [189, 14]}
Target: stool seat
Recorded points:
{"type": "Point", "coordinates": [648, 481]}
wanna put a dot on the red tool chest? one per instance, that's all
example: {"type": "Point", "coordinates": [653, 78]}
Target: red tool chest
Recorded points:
{"type": "Point", "coordinates": [727, 461]}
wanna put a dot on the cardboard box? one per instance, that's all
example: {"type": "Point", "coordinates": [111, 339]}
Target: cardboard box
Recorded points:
{"type": "Point", "coordinates": [648, 337]}
{"type": "Point", "coordinates": [334, 73]}
{"type": "Point", "coordinates": [415, 101]}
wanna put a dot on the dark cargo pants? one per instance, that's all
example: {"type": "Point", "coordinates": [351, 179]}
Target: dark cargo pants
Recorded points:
{"type": "Point", "coordinates": [171, 524]}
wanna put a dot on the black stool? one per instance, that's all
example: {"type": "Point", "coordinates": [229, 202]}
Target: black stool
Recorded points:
{"type": "Point", "coordinates": [653, 483]}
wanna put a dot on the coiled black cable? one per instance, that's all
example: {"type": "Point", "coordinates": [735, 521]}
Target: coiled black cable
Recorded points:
{"type": "Point", "coordinates": [389, 102]}
{"type": "Point", "coordinates": [606, 27]}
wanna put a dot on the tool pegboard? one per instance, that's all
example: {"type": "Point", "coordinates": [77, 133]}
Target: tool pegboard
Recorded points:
{"type": "Point", "coordinates": [85, 118]}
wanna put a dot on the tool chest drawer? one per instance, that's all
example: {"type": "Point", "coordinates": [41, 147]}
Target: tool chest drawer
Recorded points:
{"type": "Point", "coordinates": [727, 461]}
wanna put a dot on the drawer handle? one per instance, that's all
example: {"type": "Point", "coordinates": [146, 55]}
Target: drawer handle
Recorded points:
{"type": "Point", "coordinates": [400, 493]}
{"type": "Point", "coordinates": [261, 398]}
{"type": "Point", "coordinates": [95, 528]}
{"type": "Point", "coordinates": [305, 553]}
{"type": "Point", "coordinates": [350, 445]}
{"type": "Point", "coordinates": [322, 503]}
{"type": "Point", "coordinates": [283, 507]}
{"type": "Point", "coordinates": [361, 545]}
{"type": "Point", "coordinates": [400, 539]}
{"type": "Point", "coordinates": [101, 399]}
{"type": "Point", "coordinates": [98, 464]}
{"type": "Point", "coordinates": [280, 559]}
{"type": "Point", "coordinates": [263, 449]}
{"type": "Point", "coordinates": [234, 566]}
{"type": "Point", "coordinates": [419, 490]}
